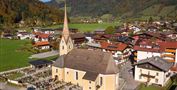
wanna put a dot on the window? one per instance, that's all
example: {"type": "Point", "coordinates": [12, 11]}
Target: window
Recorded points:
{"type": "Point", "coordinates": [156, 80]}
{"type": "Point", "coordinates": [56, 70]}
{"type": "Point", "coordinates": [90, 88]}
{"type": "Point", "coordinates": [101, 81]}
{"type": "Point", "coordinates": [90, 82]}
{"type": "Point", "coordinates": [63, 47]}
{"type": "Point", "coordinates": [67, 72]}
{"type": "Point", "coordinates": [140, 77]}
{"type": "Point", "coordinates": [157, 74]}
{"type": "Point", "coordinates": [76, 75]}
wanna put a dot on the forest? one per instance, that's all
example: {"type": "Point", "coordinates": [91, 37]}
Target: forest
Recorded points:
{"type": "Point", "coordinates": [28, 13]}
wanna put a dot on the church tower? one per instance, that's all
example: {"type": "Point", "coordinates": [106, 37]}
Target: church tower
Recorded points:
{"type": "Point", "coordinates": [66, 43]}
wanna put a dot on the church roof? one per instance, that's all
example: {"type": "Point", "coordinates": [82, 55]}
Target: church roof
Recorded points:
{"type": "Point", "coordinates": [90, 76]}
{"type": "Point", "coordinates": [88, 61]}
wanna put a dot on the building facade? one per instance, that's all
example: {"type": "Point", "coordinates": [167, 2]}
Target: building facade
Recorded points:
{"type": "Point", "coordinates": [154, 70]}
{"type": "Point", "coordinates": [92, 70]}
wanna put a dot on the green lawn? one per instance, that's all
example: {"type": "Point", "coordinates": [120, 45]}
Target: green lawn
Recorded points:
{"type": "Point", "coordinates": [151, 87]}
{"type": "Point", "coordinates": [167, 86]}
{"type": "Point", "coordinates": [10, 57]}
{"type": "Point", "coordinates": [87, 27]}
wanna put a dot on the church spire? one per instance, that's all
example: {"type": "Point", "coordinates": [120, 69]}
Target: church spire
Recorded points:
{"type": "Point", "coordinates": [65, 27]}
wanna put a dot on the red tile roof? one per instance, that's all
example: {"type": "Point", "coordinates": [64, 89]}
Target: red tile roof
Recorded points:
{"type": "Point", "coordinates": [174, 68]}
{"type": "Point", "coordinates": [42, 43]}
{"type": "Point", "coordinates": [113, 47]}
{"type": "Point", "coordinates": [42, 35]}
{"type": "Point", "coordinates": [138, 48]}
{"type": "Point", "coordinates": [168, 44]}
{"type": "Point", "coordinates": [162, 46]}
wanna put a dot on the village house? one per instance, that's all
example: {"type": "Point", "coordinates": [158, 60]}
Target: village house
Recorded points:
{"type": "Point", "coordinates": [126, 39]}
{"type": "Point", "coordinates": [43, 30]}
{"type": "Point", "coordinates": [99, 31]}
{"type": "Point", "coordinates": [92, 70]}
{"type": "Point", "coordinates": [40, 37]}
{"type": "Point", "coordinates": [24, 35]}
{"type": "Point", "coordinates": [147, 49]}
{"type": "Point", "coordinates": [120, 51]}
{"type": "Point", "coordinates": [43, 45]}
{"type": "Point", "coordinates": [154, 70]}
{"type": "Point", "coordinates": [78, 38]}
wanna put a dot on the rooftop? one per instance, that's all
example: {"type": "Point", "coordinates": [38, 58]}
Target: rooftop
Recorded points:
{"type": "Point", "coordinates": [42, 43]}
{"type": "Point", "coordinates": [88, 61]}
{"type": "Point", "coordinates": [115, 47]}
{"type": "Point", "coordinates": [158, 62]}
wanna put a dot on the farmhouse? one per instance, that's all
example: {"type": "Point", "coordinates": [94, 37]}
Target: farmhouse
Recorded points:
{"type": "Point", "coordinates": [154, 70]}
{"type": "Point", "coordinates": [42, 45]}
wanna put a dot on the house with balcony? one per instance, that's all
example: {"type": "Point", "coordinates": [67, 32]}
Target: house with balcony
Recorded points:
{"type": "Point", "coordinates": [43, 45]}
{"type": "Point", "coordinates": [40, 36]}
{"type": "Point", "coordinates": [120, 51]}
{"type": "Point", "coordinates": [154, 70]}
{"type": "Point", "coordinates": [147, 49]}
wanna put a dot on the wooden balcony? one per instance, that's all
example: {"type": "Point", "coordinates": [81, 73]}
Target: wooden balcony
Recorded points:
{"type": "Point", "coordinates": [135, 53]}
{"type": "Point", "coordinates": [170, 60]}
{"type": "Point", "coordinates": [170, 50]}
{"type": "Point", "coordinates": [135, 58]}
{"type": "Point", "coordinates": [168, 55]}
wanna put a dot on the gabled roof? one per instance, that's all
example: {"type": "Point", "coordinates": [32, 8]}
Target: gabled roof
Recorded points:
{"type": "Point", "coordinates": [42, 43]}
{"type": "Point", "coordinates": [158, 46]}
{"type": "Point", "coordinates": [90, 76]}
{"type": "Point", "coordinates": [158, 62]}
{"type": "Point", "coordinates": [115, 47]}
{"type": "Point", "coordinates": [77, 35]}
{"type": "Point", "coordinates": [42, 35]}
{"type": "Point", "coordinates": [88, 61]}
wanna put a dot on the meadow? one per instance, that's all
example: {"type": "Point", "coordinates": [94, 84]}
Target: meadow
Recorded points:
{"type": "Point", "coordinates": [10, 57]}
{"type": "Point", "coordinates": [86, 27]}
{"type": "Point", "coordinates": [13, 55]}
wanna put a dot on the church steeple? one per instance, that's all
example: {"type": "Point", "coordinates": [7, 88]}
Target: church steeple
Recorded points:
{"type": "Point", "coordinates": [65, 26]}
{"type": "Point", "coordinates": [66, 43]}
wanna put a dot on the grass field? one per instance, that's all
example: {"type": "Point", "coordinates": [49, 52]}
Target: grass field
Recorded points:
{"type": "Point", "coordinates": [10, 58]}
{"type": "Point", "coordinates": [87, 27]}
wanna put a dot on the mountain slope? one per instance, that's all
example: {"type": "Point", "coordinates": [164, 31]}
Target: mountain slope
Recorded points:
{"type": "Point", "coordinates": [123, 8]}
{"type": "Point", "coordinates": [32, 12]}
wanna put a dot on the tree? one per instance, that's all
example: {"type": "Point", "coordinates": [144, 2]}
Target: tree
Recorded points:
{"type": "Point", "coordinates": [151, 20]}
{"type": "Point", "coordinates": [110, 30]}
{"type": "Point", "coordinates": [107, 17]}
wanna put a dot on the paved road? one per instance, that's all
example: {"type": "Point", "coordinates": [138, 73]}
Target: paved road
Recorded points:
{"type": "Point", "coordinates": [45, 54]}
{"type": "Point", "coordinates": [126, 74]}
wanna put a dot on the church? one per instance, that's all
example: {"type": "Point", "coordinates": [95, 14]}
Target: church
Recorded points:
{"type": "Point", "coordinates": [90, 69]}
